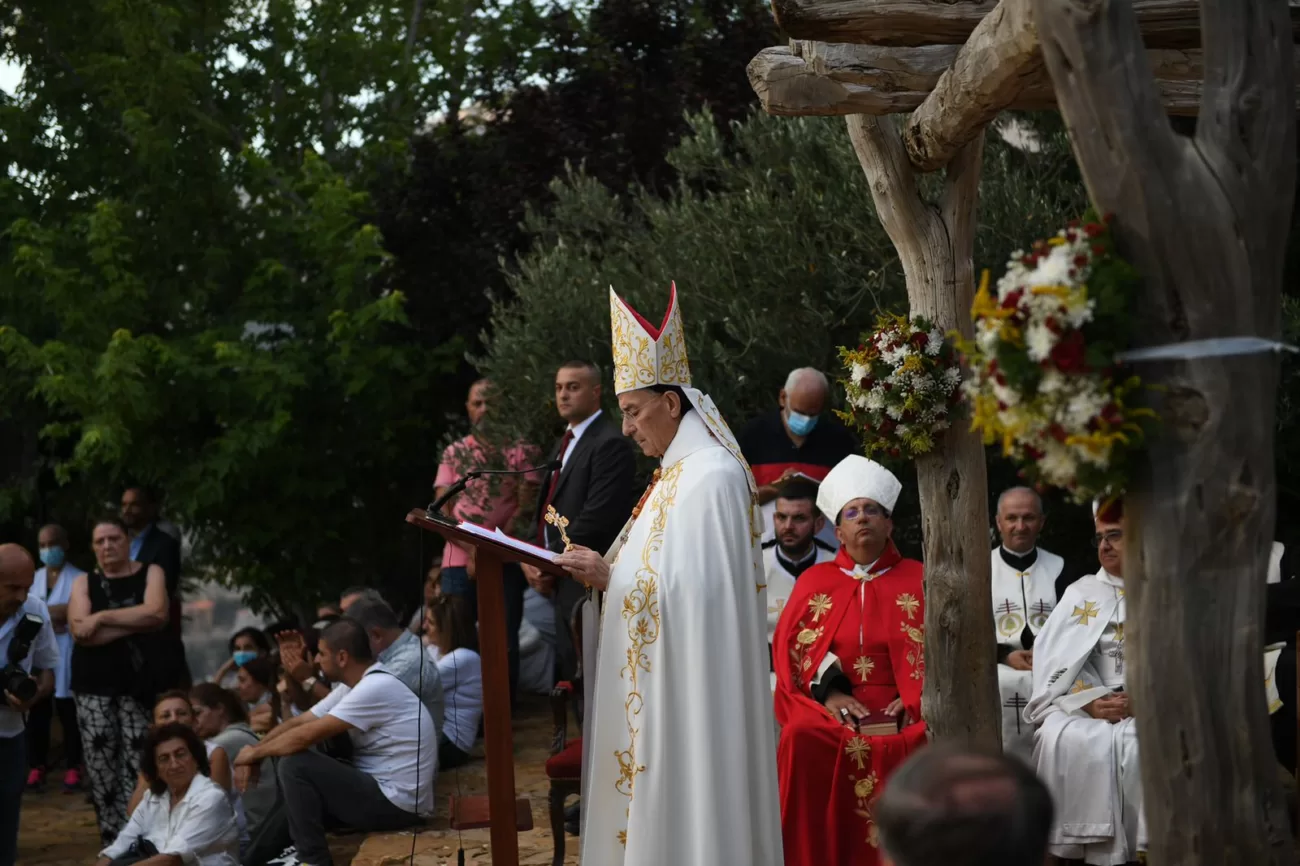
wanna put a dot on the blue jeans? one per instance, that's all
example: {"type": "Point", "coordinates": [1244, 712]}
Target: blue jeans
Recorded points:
{"type": "Point", "coordinates": [13, 779]}
{"type": "Point", "coordinates": [456, 581]}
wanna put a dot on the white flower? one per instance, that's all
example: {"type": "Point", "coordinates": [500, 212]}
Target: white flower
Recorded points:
{"type": "Point", "coordinates": [1039, 341]}
{"type": "Point", "coordinates": [894, 411]}
{"type": "Point", "coordinates": [986, 338]}
{"type": "Point", "coordinates": [1082, 408]}
{"type": "Point", "coordinates": [1004, 394]}
{"type": "Point", "coordinates": [935, 344]}
{"type": "Point", "coordinates": [1054, 268]}
{"type": "Point", "coordinates": [858, 372]}
{"type": "Point", "coordinates": [901, 430]}
{"type": "Point", "coordinates": [1052, 382]}
{"type": "Point", "coordinates": [1058, 464]}
{"type": "Point", "coordinates": [875, 400]}
{"type": "Point", "coordinates": [951, 378]}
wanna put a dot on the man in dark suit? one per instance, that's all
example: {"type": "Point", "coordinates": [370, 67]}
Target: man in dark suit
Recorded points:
{"type": "Point", "coordinates": [595, 489]}
{"type": "Point", "coordinates": [152, 545]}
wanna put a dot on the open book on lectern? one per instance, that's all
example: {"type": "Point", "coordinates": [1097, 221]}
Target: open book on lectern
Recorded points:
{"type": "Point", "coordinates": [501, 538]}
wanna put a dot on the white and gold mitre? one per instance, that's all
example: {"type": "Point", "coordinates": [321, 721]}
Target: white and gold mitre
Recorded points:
{"type": "Point", "coordinates": [645, 356]}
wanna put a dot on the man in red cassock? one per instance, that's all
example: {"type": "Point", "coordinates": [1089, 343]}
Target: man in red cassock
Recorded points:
{"type": "Point", "coordinates": [849, 660]}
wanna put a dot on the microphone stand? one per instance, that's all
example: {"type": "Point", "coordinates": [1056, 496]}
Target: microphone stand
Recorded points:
{"type": "Point", "coordinates": [434, 511]}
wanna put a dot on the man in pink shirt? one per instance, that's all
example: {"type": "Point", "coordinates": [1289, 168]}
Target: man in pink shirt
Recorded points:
{"type": "Point", "coordinates": [490, 503]}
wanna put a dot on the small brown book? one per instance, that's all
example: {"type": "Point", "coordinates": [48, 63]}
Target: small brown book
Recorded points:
{"type": "Point", "coordinates": [878, 729]}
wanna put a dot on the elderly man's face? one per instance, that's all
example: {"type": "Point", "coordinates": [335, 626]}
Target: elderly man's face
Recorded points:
{"type": "Point", "coordinates": [863, 528]}
{"type": "Point", "coordinates": [1109, 541]}
{"type": "Point", "coordinates": [807, 397]}
{"type": "Point", "coordinates": [650, 419]}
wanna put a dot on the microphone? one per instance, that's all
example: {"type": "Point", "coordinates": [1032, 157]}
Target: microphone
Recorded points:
{"type": "Point", "coordinates": [434, 511]}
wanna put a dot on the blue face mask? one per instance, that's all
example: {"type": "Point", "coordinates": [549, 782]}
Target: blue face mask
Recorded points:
{"type": "Point", "coordinates": [243, 657]}
{"type": "Point", "coordinates": [52, 556]}
{"type": "Point", "coordinates": [800, 425]}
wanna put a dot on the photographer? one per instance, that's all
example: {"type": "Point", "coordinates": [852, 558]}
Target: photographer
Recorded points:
{"type": "Point", "coordinates": [28, 657]}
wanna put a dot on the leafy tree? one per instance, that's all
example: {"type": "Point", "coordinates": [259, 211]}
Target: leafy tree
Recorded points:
{"type": "Point", "coordinates": [193, 290]}
{"type": "Point", "coordinates": [776, 250]}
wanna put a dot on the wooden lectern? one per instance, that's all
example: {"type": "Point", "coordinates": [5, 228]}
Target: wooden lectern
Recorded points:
{"type": "Point", "coordinates": [498, 737]}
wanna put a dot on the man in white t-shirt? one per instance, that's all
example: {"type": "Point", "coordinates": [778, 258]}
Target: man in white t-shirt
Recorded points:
{"type": "Point", "coordinates": [388, 786]}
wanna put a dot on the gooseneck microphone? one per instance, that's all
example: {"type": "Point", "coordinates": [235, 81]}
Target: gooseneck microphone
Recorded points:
{"type": "Point", "coordinates": [434, 511]}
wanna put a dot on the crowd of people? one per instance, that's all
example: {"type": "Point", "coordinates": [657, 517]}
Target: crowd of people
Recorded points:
{"type": "Point", "coordinates": [346, 722]}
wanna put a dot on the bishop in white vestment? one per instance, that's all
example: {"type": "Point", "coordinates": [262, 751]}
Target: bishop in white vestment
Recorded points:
{"type": "Point", "coordinates": [1085, 745]}
{"type": "Point", "coordinates": [682, 755]}
{"type": "Point", "coordinates": [1027, 580]}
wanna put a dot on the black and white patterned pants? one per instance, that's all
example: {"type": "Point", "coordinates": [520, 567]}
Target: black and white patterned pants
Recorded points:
{"type": "Point", "coordinates": [112, 730]}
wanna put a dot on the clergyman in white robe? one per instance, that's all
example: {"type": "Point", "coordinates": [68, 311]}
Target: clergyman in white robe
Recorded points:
{"type": "Point", "coordinates": [682, 755]}
{"type": "Point", "coordinates": [1090, 765]}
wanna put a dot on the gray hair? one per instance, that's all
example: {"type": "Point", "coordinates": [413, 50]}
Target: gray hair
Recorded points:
{"type": "Point", "coordinates": [373, 613]}
{"type": "Point", "coordinates": [1038, 500]}
{"type": "Point", "coordinates": [796, 376]}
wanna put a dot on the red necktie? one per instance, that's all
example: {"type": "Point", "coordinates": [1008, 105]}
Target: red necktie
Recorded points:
{"type": "Point", "coordinates": [565, 441]}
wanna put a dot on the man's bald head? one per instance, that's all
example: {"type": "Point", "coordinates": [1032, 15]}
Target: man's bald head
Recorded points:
{"type": "Point", "coordinates": [805, 392]}
{"type": "Point", "coordinates": [17, 570]}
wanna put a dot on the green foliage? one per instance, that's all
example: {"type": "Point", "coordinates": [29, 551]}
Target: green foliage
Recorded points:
{"type": "Point", "coordinates": [772, 238]}
{"type": "Point", "coordinates": [192, 288]}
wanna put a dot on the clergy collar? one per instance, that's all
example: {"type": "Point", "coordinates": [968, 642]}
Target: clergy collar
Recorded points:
{"type": "Point", "coordinates": [1018, 561]}
{"type": "Point", "coordinates": [692, 435]}
{"type": "Point", "coordinates": [808, 557]}
{"type": "Point", "coordinates": [1110, 579]}
{"type": "Point", "coordinates": [888, 558]}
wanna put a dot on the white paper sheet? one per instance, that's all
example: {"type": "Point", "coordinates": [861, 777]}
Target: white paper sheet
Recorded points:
{"type": "Point", "coordinates": [513, 543]}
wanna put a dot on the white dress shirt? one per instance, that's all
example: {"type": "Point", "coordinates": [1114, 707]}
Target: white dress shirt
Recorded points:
{"type": "Point", "coordinates": [578, 430]}
{"type": "Point", "coordinates": [200, 830]}
{"type": "Point", "coordinates": [43, 656]}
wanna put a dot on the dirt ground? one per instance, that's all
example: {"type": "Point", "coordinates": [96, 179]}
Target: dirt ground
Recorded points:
{"type": "Point", "coordinates": [59, 830]}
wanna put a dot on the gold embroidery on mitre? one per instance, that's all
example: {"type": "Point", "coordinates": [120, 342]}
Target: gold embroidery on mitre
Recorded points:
{"type": "Point", "coordinates": [642, 359]}
{"type": "Point", "coordinates": [641, 613]}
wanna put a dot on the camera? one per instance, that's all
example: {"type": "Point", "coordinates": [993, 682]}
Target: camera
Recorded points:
{"type": "Point", "coordinates": [13, 679]}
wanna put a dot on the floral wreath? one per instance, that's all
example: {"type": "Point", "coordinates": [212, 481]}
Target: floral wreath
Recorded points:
{"type": "Point", "coordinates": [902, 386]}
{"type": "Point", "coordinates": [1043, 377]}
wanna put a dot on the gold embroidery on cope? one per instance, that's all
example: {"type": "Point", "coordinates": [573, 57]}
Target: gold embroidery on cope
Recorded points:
{"type": "Point", "coordinates": [1085, 613]}
{"type": "Point", "coordinates": [915, 652]}
{"type": "Point", "coordinates": [819, 605]}
{"type": "Point", "coordinates": [864, 789]}
{"type": "Point", "coordinates": [863, 667]}
{"type": "Point", "coordinates": [908, 604]}
{"type": "Point", "coordinates": [641, 613]}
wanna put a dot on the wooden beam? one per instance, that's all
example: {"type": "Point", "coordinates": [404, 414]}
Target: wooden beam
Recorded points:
{"type": "Point", "coordinates": [1164, 23]}
{"type": "Point", "coordinates": [814, 78]}
{"type": "Point", "coordinates": [997, 63]}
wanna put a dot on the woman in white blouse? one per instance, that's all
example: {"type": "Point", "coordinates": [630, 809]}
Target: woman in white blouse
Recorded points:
{"type": "Point", "coordinates": [184, 814]}
{"type": "Point", "coordinates": [453, 647]}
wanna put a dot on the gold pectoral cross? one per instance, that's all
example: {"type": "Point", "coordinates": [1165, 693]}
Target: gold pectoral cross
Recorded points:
{"type": "Point", "coordinates": [553, 517]}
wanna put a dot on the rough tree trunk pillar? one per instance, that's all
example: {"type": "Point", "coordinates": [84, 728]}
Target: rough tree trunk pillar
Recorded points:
{"type": "Point", "coordinates": [1205, 220]}
{"type": "Point", "coordinates": [935, 244]}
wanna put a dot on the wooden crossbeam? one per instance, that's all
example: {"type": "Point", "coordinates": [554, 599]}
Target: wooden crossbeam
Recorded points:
{"type": "Point", "coordinates": [1164, 23]}
{"type": "Point", "coordinates": [815, 78]}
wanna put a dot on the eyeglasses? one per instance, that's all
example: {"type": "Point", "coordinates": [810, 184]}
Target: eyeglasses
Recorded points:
{"type": "Point", "coordinates": [853, 512]}
{"type": "Point", "coordinates": [1111, 537]}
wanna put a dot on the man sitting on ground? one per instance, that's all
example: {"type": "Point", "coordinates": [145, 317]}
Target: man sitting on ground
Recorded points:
{"type": "Point", "coordinates": [400, 652]}
{"type": "Point", "coordinates": [951, 807]}
{"type": "Point", "coordinates": [388, 786]}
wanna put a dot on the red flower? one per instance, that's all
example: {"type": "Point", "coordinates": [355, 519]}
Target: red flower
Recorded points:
{"type": "Point", "coordinates": [1098, 250]}
{"type": "Point", "coordinates": [1057, 432]}
{"type": "Point", "coordinates": [1012, 299]}
{"type": "Point", "coordinates": [1033, 453]}
{"type": "Point", "coordinates": [920, 340]}
{"type": "Point", "coordinates": [1080, 260]}
{"type": "Point", "coordinates": [1054, 326]}
{"type": "Point", "coordinates": [894, 452]}
{"type": "Point", "coordinates": [1092, 230]}
{"type": "Point", "coordinates": [1070, 354]}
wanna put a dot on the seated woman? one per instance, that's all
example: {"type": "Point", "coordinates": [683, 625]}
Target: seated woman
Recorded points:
{"type": "Point", "coordinates": [848, 652]}
{"type": "Point", "coordinates": [245, 645]}
{"type": "Point", "coordinates": [220, 719]}
{"type": "Point", "coordinates": [174, 707]}
{"type": "Point", "coordinates": [454, 648]}
{"type": "Point", "coordinates": [184, 816]}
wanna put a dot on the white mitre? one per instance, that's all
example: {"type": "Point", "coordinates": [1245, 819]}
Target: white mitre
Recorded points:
{"type": "Point", "coordinates": [856, 477]}
{"type": "Point", "coordinates": [645, 356]}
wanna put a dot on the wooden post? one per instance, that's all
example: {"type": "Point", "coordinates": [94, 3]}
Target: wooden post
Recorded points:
{"type": "Point", "coordinates": [1205, 220]}
{"type": "Point", "coordinates": [935, 245]}
{"type": "Point", "coordinates": [498, 736]}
